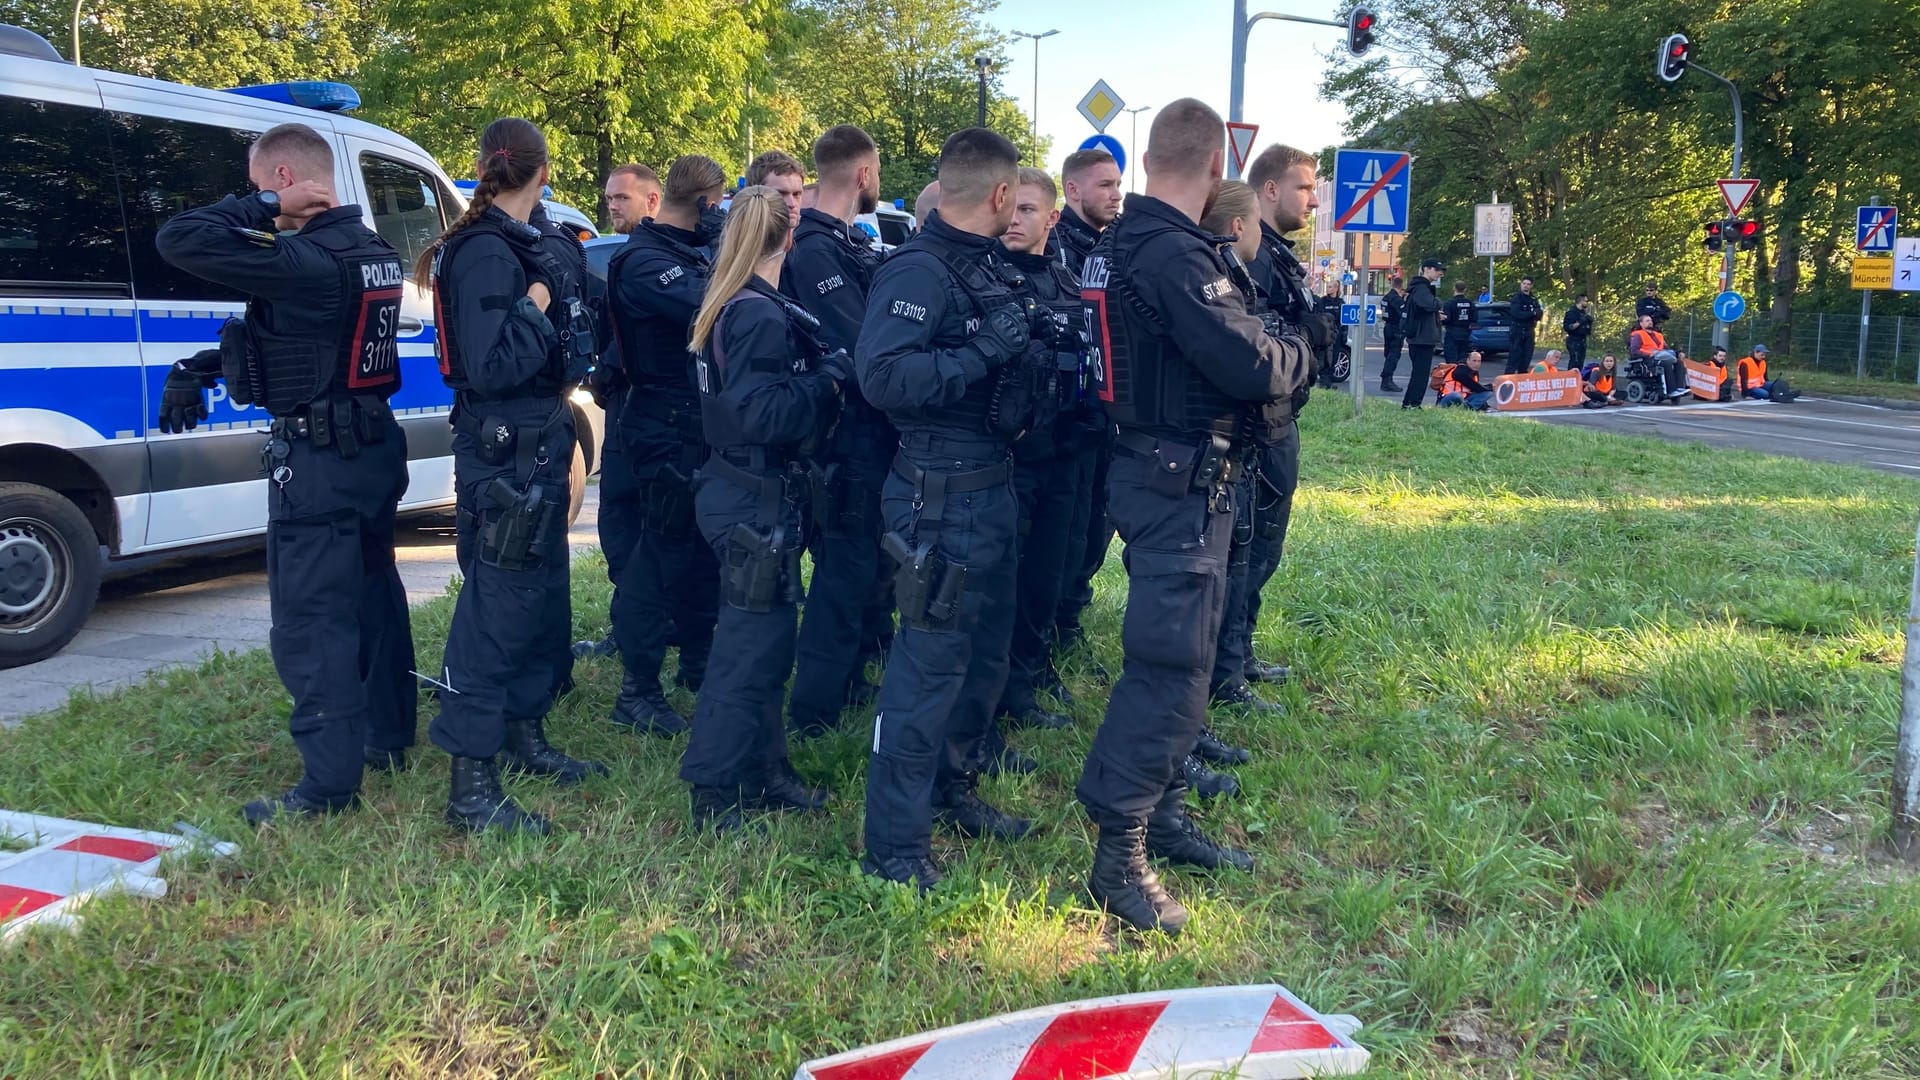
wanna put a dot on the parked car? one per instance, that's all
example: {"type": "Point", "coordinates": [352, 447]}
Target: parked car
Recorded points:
{"type": "Point", "coordinates": [1492, 330]}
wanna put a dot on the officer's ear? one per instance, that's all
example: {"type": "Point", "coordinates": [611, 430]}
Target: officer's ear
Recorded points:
{"type": "Point", "coordinates": [1002, 197]}
{"type": "Point", "coordinates": [1053, 218]}
{"type": "Point", "coordinates": [1217, 164]}
{"type": "Point", "coordinates": [545, 175]}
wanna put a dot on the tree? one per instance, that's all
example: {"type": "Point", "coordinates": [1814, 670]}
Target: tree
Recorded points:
{"type": "Point", "coordinates": [215, 43]}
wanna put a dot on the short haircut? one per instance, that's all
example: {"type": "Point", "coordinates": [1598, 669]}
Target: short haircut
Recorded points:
{"type": "Point", "coordinates": [1579, 298]}
{"type": "Point", "coordinates": [1460, 287]}
{"type": "Point", "coordinates": [1273, 163]}
{"type": "Point", "coordinates": [1032, 177]}
{"type": "Point", "coordinates": [642, 173]}
{"type": "Point", "coordinates": [1184, 137]}
{"type": "Point", "coordinates": [1528, 278]}
{"type": "Point", "coordinates": [691, 176]}
{"type": "Point", "coordinates": [296, 141]}
{"type": "Point", "coordinates": [841, 147]}
{"type": "Point", "coordinates": [773, 163]}
{"type": "Point", "coordinates": [972, 162]}
{"type": "Point", "coordinates": [1080, 161]}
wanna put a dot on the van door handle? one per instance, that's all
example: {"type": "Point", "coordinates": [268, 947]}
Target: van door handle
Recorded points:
{"type": "Point", "coordinates": [411, 325]}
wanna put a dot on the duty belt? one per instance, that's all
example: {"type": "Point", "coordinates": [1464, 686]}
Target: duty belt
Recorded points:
{"type": "Point", "coordinates": [930, 491]}
{"type": "Point", "coordinates": [343, 422]}
{"type": "Point", "coordinates": [1214, 460]}
{"type": "Point", "coordinates": [773, 478]}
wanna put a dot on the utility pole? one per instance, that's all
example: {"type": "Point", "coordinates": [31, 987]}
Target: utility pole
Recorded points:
{"type": "Point", "coordinates": [981, 63]}
{"type": "Point", "coordinates": [1675, 60]}
{"type": "Point", "coordinates": [1237, 72]}
{"type": "Point", "coordinates": [1036, 75]}
{"type": "Point", "coordinates": [1133, 144]}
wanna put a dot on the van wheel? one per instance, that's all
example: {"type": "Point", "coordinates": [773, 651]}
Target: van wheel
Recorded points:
{"type": "Point", "coordinates": [576, 483]}
{"type": "Point", "coordinates": [49, 573]}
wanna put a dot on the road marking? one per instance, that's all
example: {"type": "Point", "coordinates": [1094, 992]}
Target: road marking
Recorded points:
{"type": "Point", "coordinates": [1910, 429]}
{"type": "Point", "coordinates": [1897, 465]}
{"type": "Point", "coordinates": [1777, 435]}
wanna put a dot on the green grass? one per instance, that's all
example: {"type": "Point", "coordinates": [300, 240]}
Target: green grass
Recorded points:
{"type": "Point", "coordinates": [1835, 382]}
{"type": "Point", "coordinates": [1582, 779]}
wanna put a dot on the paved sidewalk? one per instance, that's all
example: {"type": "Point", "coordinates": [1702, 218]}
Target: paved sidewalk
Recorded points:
{"type": "Point", "coordinates": [178, 614]}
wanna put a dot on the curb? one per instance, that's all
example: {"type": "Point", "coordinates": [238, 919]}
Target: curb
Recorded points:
{"type": "Point", "coordinates": [1896, 404]}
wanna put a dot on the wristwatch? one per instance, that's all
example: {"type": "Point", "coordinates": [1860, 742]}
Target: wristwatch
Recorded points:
{"type": "Point", "coordinates": [270, 200]}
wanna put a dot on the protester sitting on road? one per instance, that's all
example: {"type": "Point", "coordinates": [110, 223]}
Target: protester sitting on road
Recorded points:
{"type": "Point", "coordinates": [1597, 383]}
{"type": "Point", "coordinates": [1547, 364]}
{"type": "Point", "coordinates": [1718, 361]}
{"type": "Point", "coordinates": [1650, 345]}
{"type": "Point", "coordinates": [1754, 382]}
{"type": "Point", "coordinates": [1463, 385]}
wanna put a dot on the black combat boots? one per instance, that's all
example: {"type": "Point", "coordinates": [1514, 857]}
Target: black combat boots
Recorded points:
{"type": "Point", "coordinates": [1126, 887]}
{"type": "Point", "coordinates": [527, 751]}
{"type": "Point", "coordinates": [476, 802]}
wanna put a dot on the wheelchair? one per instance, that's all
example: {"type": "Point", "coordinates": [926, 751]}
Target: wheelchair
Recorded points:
{"type": "Point", "coordinates": [1640, 382]}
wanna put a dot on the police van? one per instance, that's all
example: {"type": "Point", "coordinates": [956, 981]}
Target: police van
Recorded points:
{"type": "Point", "coordinates": [91, 318]}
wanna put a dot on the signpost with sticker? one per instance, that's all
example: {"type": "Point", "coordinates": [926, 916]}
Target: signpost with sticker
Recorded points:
{"type": "Point", "coordinates": [1371, 194]}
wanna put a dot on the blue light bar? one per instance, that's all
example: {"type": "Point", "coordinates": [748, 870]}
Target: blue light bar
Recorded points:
{"type": "Point", "coordinates": [899, 204]}
{"type": "Point", "coordinates": [320, 96]}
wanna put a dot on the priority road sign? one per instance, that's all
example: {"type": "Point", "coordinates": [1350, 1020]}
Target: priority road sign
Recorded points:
{"type": "Point", "coordinates": [1240, 142]}
{"type": "Point", "coordinates": [1111, 145]}
{"type": "Point", "coordinates": [1736, 194]}
{"type": "Point", "coordinates": [1906, 264]}
{"type": "Point", "coordinates": [1729, 306]}
{"type": "Point", "coordinates": [1100, 105]}
{"type": "Point", "coordinates": [1371, 189]}
{"type": "Point", "coordinates": [1876, 229]}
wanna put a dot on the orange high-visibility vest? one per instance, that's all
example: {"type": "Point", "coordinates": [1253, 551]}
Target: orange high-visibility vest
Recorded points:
{"type": "Point", "coordinates": [1603, 381]}
{"type": "Point", "coordinates": [1648, 342]}
{"type": "Point", "coordinates": [1753, 372]}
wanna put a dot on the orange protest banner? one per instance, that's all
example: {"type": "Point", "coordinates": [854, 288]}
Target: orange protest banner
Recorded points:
{"type": "Point", "coordinates": [1704, 380]}
{"type": "Point", "coordinates": [1547, 390]}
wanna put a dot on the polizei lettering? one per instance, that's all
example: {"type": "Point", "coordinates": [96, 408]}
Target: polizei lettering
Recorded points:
{"type": "Point", "coordinates": [907, 310]}
{"type": "Point", "coordinates": [380, 275]}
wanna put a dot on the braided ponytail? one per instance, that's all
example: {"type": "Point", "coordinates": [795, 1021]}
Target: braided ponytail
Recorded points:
{"type": "Point", "coordinates": [512, 153]}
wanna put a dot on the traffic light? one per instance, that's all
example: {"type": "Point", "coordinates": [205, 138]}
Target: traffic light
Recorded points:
{"type": "Point", "coordinates": [1361, 23]}
{"type": "Point", "coordinates": [1746, 232]}
{"type": "Point", "coordinates": [1674, 54]}
{"type": "Point", "coordinates": [1715, 235]}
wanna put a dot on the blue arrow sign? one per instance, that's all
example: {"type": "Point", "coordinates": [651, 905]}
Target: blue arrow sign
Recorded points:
{"type": "Point", "coordinates": [1729, 306]}
{"type": "Point", "coordinates": [1111, 145]}
{"type": "Point", "coordinates": [1876, 228]}
{"type": "Point", "coordinates": [1370, 190]}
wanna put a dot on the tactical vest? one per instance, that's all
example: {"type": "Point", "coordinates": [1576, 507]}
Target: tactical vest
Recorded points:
{"type": "Point", "coordinates": [1059, 290]}
{"type": "Point", "coordinates": [719, 423]}
{"type": "Point", "coordinates": [287, 371]}
{"type": "Point", "coordinates": [563, 283]}
{"type": "Point", "coordinates": [865, 259]}
{"type": "Point", "coordinates": [977, 286]}
{"type": "Point", "coordinates": [653, 347]}
{"type": "Point", "coordinates": [1146, 382]}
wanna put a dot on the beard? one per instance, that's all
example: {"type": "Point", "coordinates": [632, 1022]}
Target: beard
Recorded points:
{"type": "Point", "coordinates": [1096, 214]}
{"type": "Point", "coordinates": [869, 201]}
{"type": "Point", "coordinates": [1213, 196]}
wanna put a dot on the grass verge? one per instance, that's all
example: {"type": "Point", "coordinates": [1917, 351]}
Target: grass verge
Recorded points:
{"type": "Point", "coordinates": [1580, 779]}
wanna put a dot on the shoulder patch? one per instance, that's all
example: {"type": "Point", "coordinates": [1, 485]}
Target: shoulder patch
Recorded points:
{"type": "Point", "coordinates": [672, 274]}
{"type": "Point", "coordinates": [906, 309]}
{"type": "Point", "coordinates": [832, 283]}
{"type": "Point", "coordinates": [1214, 290]}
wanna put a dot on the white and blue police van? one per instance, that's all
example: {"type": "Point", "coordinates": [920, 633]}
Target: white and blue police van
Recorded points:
{"type": "Point", "coordinates": [92, 163]}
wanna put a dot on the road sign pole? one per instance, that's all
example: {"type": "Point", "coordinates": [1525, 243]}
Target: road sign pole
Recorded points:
{"type": "Point", "coordinates": [1906, 757]}
{"type": "Point", "coordinates": [1357, 369]}
{"type": "Point", "coordinates": [1720, 329]}
{"type": "Point", "coordinates": [1866, 318]}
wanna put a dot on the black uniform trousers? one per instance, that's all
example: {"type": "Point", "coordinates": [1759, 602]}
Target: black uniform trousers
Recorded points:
{"type": "Point", "coordinates": [737, 731]}
{"type": "Point", "coordinates": [621, 505]}
{"type": "Point", "coordinates": [1277, 477]}
{"type": "Point", "coordinates": [1419, 370]}
{"type": "Point", "coordinates": [1576, 352]}
{"type": "Point", "coordinates": [1053, 495]}
{"type": "Point", "coordinates": [1520, 352]}
{"type": "Point", "coordinates": [499, 662]}
{"type": "Point", "coordinates": [943, 680]}
{"type": "Point", "coordinates": [1230, 650]}
{"type": "Point", "coordinates": [341, 640]}
{"type": "Point", "coordinates": [1176, 557]}
{"type": "Point", "coordinates": [1078, 594]}
{"type": "Point", "coordinates": [668, 585]}
{"type": "Point", "coordinates": [1456, 344]}
{"type": "Point", "coordinates": [1390, 353]}
{"type": "Point", "coordinates": [846, 562]}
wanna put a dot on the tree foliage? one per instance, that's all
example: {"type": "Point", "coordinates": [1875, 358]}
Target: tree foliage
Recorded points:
{"type": "Point", "coordinates": [208, 42]}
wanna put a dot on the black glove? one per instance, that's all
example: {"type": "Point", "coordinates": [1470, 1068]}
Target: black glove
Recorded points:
{"type": "Point", "coordinates": [183, 399]}
{"type": "Point", "coordinates": [1003, 335]}
{"type": "Point", "coordinates": [1322, 331]}
{"type": "Point", "coordinates": [836, 365]}
{"type": "Point", "coordinates": [1041, 325]}
{"type": "Point", "coordinates": [607, 382]}
{"type": "Point", "coordinates": [712, 220]}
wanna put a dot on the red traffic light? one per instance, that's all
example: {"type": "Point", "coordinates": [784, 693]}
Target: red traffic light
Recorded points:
{"type": "Point", "coordinates": [1675, 52]}
{"type": "Point", "coordinates": [1746, 230]}
{"type": "Point", "coordinates": [1715, 235]}
{"type": "Point", "coordinates": [1361, 23]}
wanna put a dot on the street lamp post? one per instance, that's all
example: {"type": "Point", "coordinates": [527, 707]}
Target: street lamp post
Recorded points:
{"type": "Point", "coordinates": [981, 63]}
{"type": "Point", "coordinates": [1036, 75]}
{"type": "Point", "coordinates": [1133, 145]}
{"type": "Point", "coordinates": [77, 5]}
{"type": "Point", "coordinates": [1237, 72]}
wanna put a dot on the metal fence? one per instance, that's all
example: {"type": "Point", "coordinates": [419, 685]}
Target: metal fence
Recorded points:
{"type": "Point", "coordinates": [1821, 340]}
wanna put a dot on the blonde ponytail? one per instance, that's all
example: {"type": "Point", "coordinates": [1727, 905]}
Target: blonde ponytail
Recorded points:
{"type": "Point", "coordinates": [757, 226]}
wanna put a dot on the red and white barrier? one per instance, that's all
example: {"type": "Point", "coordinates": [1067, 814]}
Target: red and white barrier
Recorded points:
{"type": "Point", "coordinates": [1249, 1032]}
{"type": "Point", "coordinates": [70, 862]}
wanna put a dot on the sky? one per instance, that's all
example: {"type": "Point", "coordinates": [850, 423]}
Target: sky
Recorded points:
{"type": "Point", "coordinates": [1153, 52]}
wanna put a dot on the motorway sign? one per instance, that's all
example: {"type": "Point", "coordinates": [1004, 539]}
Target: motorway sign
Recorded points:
{"type": "Point", "coordinates": [1870, 272]}
{"type": "Point", "coordinates": [1371, 190]}
{"type": "Point", "coordinates": [1906, 264]}
{"type": "Point", "coordinates": [1736, 194]}
{"type": "Point", "coordinates": [1493, 229]}
{"type": "Point", "coordinates": [1111, 145]}
{"type": "Point", "coordinates": [1240, 142]}
{"type": "Point", "coordinates": [1875, 230]}
{"type": "Point", "coordinates": [1729, 306]}
{"type": "Point", "coordinates": [1100, 105]}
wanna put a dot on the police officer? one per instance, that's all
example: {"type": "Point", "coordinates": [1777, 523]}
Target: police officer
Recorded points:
{"type": "Point", "coordinates": [633, 195]}
{"type": "Point", "coordinates": [1092, 180]}
{"type": "Point", "coordinates": [1393, 319]}
{"type": "Point", "coordinates": [828, 273]}
{"type": "Point", "coordinates": [318, 352]}
{"type": "Point", "coordinates": [1423, 331]}
{"type": "Point", "coordinates": [1195, 381]}
{"type": "Point", "coordinates": [1458, 316]}
{"type": "Point", "coordinates": [1651, 306]}
{"type": "Point", "coordinates": [512, 337]}
{"type": "Point", "coordinates": [654, 287]}
{"type": "Point", "coordinates": [1051, 476]}
{"type": "Point", "coordinates": [1577, 324]}
{"type": "Point", "coordinates": [768, 391]}
{"type": "Point", "coordinates": [1526, 311]}
{"type": "Point", "coordinates": [941, 325]}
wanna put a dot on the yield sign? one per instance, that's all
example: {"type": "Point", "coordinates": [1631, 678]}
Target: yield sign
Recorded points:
{"type": "Point", "coordinates": [1240, 141]}
{"type": "Point", "coordinates": [1737, 193]}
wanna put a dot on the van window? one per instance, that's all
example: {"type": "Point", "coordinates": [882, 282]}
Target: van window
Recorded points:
{"type": "Point", "coordinates": [408, 208]}
{"type": "Point", "coordinates": [167, 166]}
{"type": "Point", "coordinates": [893, 230]}
{"type": "Point", "coordinates": [60, 226]}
